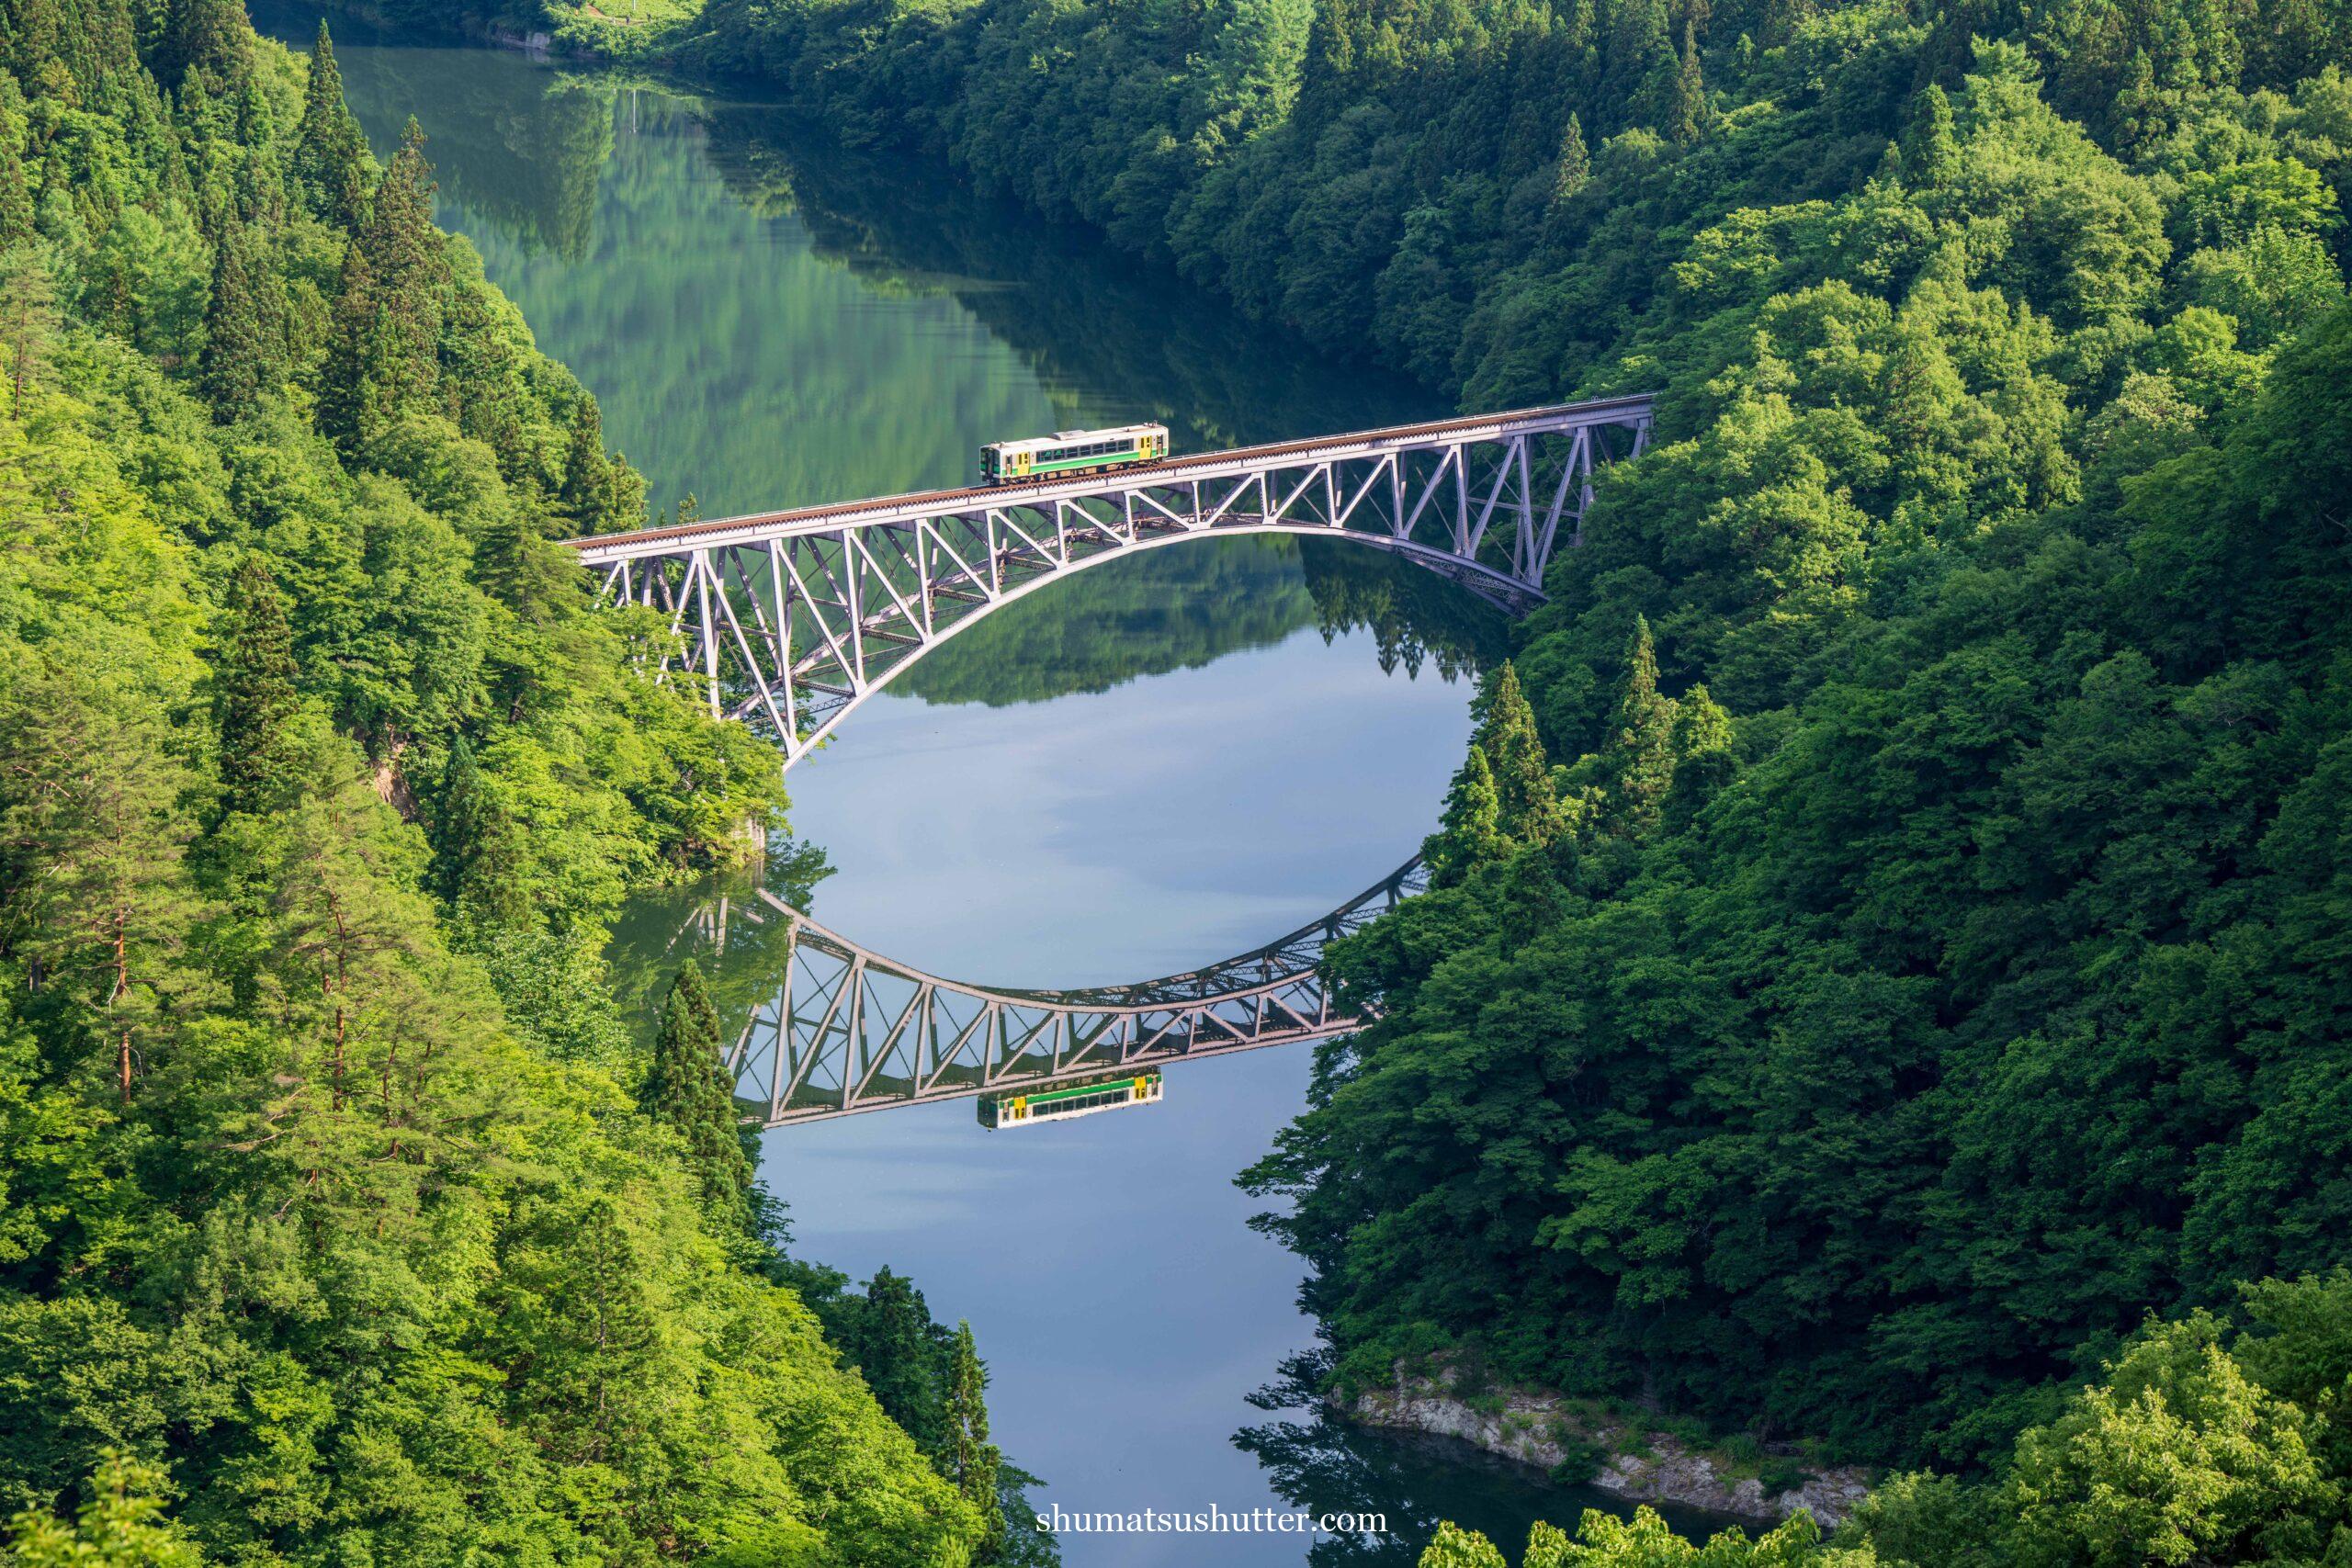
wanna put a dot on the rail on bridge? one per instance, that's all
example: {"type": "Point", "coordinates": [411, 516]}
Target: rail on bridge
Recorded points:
{"type": "Point", "coordinates": [848, 1031]}
{"type": "Point", "coordinates": [789, 620]}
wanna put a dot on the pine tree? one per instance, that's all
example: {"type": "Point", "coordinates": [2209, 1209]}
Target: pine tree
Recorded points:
{"type": "Point", "coordinates": [239, 362]}
{"type": "Point", "coordinates": [97, 801]}
{"type": "Point", "coordinates": [330, 153]}
{"type": "Point", "coordinates": [477, 850]}
{"type": "Point", "coordinates": [587, 474]}
{"type": "Point", "coordinates": [1687, 116]}
{"type": "Point", "coordinates": [27, 313]}
{"type": "Point", "coordinates": [1703, 760]}
{"type": "Point", "coordinates": [1638, 757]}
{"type": "Point", "coordinates": [1470, 828]}
{"type": "Point", "coordinates": [1931, 152]}
{"type": "Point", "coordinates": [969, 1460]}
{"type": "Point", "coordinates": [211, 41]}
{"type": "Point", "coordinates": [686, 1091]}
{"type": "Point", "coordinates": [253, 697]}
{"type": "Point", "coordinates": [1570, 175]}
{"type": "Point", "coordinates": [895, 1353]}
{"type": "Point", "coordinates": [349, 377]}
{"type": "Point", "coordinates": [16, 197]}
{"type": "Point", "coordinates": [1529, 809]}
{"type": "Point", "coordinates": [408, 269]}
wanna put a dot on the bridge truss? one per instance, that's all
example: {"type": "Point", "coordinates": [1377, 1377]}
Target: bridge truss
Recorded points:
{"type": "Point", "coordinates": [849, 1031]}
{"type": "Point", "coordinates": [789, 620]}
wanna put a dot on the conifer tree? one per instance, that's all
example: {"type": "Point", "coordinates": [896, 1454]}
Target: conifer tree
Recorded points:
{"type": "Point", "coordinates": [1703, 761]}
{"type": "Point", "coordinates": [27, 313]}
{"type": "Point", "coordinates": [94, 796]}
{"type": "Point", "coordinates": [16, 197]}
{"type": "Point", "coordinates": [1638, 757]}
{"type": "Point", "coordinates": [1687, 116]}
{"type": "Point", "coordinates": [238, 362]}
{"type": "Point", "coordinates": [477, 850]}
{"type": "Point", "coordinates": [407, 270]}
{"type": "Point", "coordinates": [687, 1091]}
{"type": "Point", "coordinates": [969, 1460]}
{"type": "Point", "coordinates": [253, 696]}
{"type": "Point", "coordinates": [587, 474]}
{"type": "Point", "coordinates": [1931, 150]}
{"type": "Point", "coordinates": [345, 374]}
{"type": "Point", "coordinates": [898, 1358]}
{"type": "Point", "coordinates": [1571, 173]}
{"type": "Point", "coordinates": [210, 42]}
{"type": "Point", "coordinates": [329, 153]}
{"type": "Point", "coordinates": [1527, 804]}
{"type": "Point", "coordinates": [1470, 828]}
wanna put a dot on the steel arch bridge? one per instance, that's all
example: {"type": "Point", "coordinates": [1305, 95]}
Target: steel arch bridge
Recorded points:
{"type": "Point", "coordinates": [847, 1030]}
{"type": "Point", "coordinates": [789, 620]}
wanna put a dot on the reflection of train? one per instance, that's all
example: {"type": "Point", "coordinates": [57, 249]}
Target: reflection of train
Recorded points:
{"type": "Point", "coordinates": [1071, 452]}
{"type": "Point", "coordinates": [1065, 1100]}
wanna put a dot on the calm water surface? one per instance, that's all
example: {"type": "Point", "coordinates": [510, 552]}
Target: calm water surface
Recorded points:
{"type": "Point", "coordinates": [1153, 766]}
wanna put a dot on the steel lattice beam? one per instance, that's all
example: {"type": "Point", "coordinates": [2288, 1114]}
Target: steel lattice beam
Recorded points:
{"type": "Point", "coordinates": [847, 1030]}
{"type": "Point", "coordinates": [789, 620]}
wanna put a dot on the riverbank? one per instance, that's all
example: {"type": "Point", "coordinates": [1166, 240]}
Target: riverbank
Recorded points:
{"type": "Point", "coordinates": [1567, 1438]}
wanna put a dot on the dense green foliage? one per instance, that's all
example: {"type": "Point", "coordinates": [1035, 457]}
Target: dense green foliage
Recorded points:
{"type": "Point", "coordinates": [331, 1227]}
{"type": "Point", "coordinates": [2198, 1446]}
{"type": "Point", "coordinates": [1918, 964]}
{"type": "Point", "coordinates": [1857, 1044]}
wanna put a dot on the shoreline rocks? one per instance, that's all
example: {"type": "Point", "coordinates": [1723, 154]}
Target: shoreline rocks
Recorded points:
{"type": "Point", "coordinates": [1542, 1430]}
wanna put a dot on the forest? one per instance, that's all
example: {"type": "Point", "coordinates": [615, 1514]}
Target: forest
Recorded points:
{"type": "Point", "coordinates": [342, 1218]}
{"type": "Point", "coordinates": [1887, 991]}
{"type": "Point", "coordinates": [1885, 994]}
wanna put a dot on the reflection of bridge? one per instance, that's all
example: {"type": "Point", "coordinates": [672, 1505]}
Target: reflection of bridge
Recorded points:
{"type": "Point", "coordinates": [848, 1030]}
{"type": "Point", "coordinates": [792, 618]}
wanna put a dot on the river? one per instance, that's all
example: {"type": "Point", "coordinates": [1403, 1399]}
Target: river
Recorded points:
{"type": "Point", "coordinates": [1157, 764]}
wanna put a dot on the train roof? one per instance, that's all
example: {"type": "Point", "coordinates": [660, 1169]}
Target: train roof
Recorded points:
{"type": "Point", "coordinates": [1063, 437]}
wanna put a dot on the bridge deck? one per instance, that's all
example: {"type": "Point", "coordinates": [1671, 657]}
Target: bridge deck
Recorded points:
{"type": "Point", "coordinates": [607, 547]}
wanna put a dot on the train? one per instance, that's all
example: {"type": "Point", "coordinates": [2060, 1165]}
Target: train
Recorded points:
{"type": "Point", "coordinates": [1067, 452]}
{"type": "Point", "coordinates": [1061, 1101]}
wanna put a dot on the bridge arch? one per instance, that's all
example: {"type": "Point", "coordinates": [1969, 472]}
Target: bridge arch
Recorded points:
{"type": "Point", "coordinates": [847, 1030]}
{"type": "Point", "coordinates": [790, 620]}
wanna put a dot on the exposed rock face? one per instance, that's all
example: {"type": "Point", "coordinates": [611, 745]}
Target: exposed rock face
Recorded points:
{"type": "Point", "coordinates": [1540, 1429]}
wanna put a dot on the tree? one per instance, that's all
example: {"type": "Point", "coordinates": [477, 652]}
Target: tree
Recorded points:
{"type": "Point", "coordinates": [894, 1351]}
{"type": "Point", "coordinates": [15, 197]}
{"type": "Point", "coordinates": [28, 313]}
{"type": "Point", "coordinates": [407, 270]}
{"type": "Point", "coordinates": [686, 1091]}
{"type": "Point", "coordinates": [1571, 172]}
{"type": "Point", "coordinates": [94, 809]}
{"type": "Point", "coordinates": [1528, 809]}
{"type": "Point", "coordinates": [1687, 114]}
{"type": "Point", "coordinates": [329, 153]}
{"type": "Point", "coordinates": [1470, 828]}
{"type": "Point", "coordinates": [477, 854]}
{"type": "Point", "coordinates": [1931, 148]}
{"type": "Point", "coordinates": [347, 374]}
{"type": "Point", "coordinates": [239, 362]}
{"type": "Point", "coordinates": [253, 697]}
{"type": "Point", "coordinates": [587, 494]}
{"type": "Point", "coordinates": [968, 1459]}
{"type": "Point", "coordinates": [1638, 757]}
{"type": "Point", "coordinates": [121, 1523]}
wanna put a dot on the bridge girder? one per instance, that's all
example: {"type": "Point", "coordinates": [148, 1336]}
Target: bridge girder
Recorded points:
{"type": "Point", "coordinates": [847, 1030]}
{"type": "Point", "coordinates": [790, 620]}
